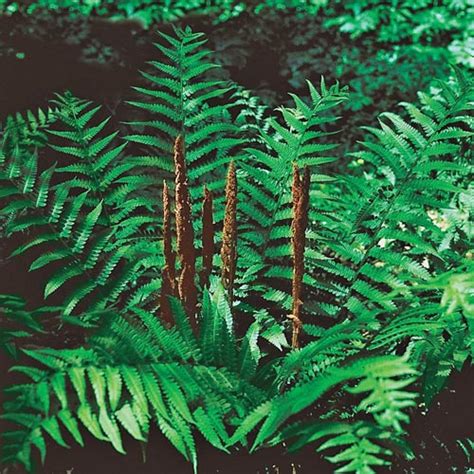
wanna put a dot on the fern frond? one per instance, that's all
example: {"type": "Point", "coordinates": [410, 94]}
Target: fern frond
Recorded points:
{"type": "Point", "coordinates": [266, 183]}
{"type": "Point", "coordinates": [388, 219]}
{"type": "Point", "coordinates": [181, 100]}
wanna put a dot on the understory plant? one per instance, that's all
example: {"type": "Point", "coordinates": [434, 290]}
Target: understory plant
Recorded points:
{"type": "Point", "coordinates": [218, 281]}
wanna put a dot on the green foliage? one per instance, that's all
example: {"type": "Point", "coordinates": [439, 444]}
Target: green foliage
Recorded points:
{"type": "Point", "coordinates": [84, 222]}
{"type": "Point", "coordinates": [393, 21]}
{"type": "Point", "coordinates": [300, 47]}
{"type": "Point", "coordinates": [181, 100]}
{"type": "Point", "coordinates": [364, 443]}
{"type": "Point", "coordinates": [134, 372]}
{"type": "Point", "coordinates": [452, 342]}
{"type": "Point", "coordinates": [383, 278]}
{"type": "Point", "coordinates": [144, 11]}
{"type": "Point", "coordinates": [385, 230]}
{"type": "Point", "coordinates": [266, 189]}
{"type": "Point", "coordinates": [416, 20]}
{"type": "Point", "coordinates": [18, 323]}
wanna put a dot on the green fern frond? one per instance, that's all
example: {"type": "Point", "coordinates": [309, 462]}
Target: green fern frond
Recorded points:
{"type": "Point", "coordinates": [388, 220]}
{"type": "Point", "coordinates": [266, 184]}
{"type": "Point", "coordinates": [181, 100]}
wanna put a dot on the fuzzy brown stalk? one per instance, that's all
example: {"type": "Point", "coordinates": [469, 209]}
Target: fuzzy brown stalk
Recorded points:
{"type": "Point", "coordinates": [170, 255]}
{"type": "Point", "coordinates": [305, 187]}
{"type": "Point", "coordinates": [300, 195]}
{"type": "Point", "coordinates": [168, 287]}
{"type": "Point", "coordinates": [187, 291]}
{"type": "Point", "coordinates": [207, 237]}
{"type": "Point", "coordinates": [229, 233]}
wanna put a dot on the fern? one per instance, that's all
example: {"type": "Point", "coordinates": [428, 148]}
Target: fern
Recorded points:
{"type": "Point", "coordinates": [87, 224]}
{"type": "Point", "coordinates": [182, 99]}
{"type": "Point", "coordinates": [214, 358]}
{"type": "Point", "coordinates": [265, 203]}
{"type": "Point", "coordinates": [18, 323]}
{"type": "Point", "coordinates": [135, 373]}
{"type": "Point", "coordinates": [384, 231]}
{"type": "Point", "coordinates": [365, 444]}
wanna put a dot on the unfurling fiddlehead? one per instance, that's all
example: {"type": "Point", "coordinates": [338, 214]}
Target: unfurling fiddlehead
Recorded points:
{"type": "Point", "coordinates": [207, 237]}
{"type": "Point", "coordinates": [229, 233]}
{"type": "Point", "coordinates": [300, 195]}
{"type": "Point", "coordinates": [184, 234]}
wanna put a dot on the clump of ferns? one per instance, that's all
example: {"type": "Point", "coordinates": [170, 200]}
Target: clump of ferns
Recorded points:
{"type": "Point", "coordinates": [182, 282]}
{"type": "Point", "coordinates": [185, 346]}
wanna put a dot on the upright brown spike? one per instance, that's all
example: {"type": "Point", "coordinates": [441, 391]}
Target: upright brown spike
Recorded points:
{"type": "Point", "coordinates": [229, 233]}
{"type": "Point", "coordinates": [170, 255]}
{"type": "Point", "coordinates": [300, 194]}
{"type": "Point", "coordinates": [168, 285]}
{"type": "Point", "coordinates": [305, 187]}
{"type": "Point", "coordinates": [207, 237]}
{"type": "Point", "coordinates": [295, 190]}
{"type": "Point", "coordinates": [184, 235]}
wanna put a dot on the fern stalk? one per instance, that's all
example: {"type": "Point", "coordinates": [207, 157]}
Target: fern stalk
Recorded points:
{"type": "Point", "coordinates": [300, 198]}
{"type": "Point", "coordinates": [207, 237]}
{"type": "Point", "coordinates": [169, 271]}
{"type": "Point", "coordinates": [184, 234]}
{"type": "Point", "coordinates": [229, 234]}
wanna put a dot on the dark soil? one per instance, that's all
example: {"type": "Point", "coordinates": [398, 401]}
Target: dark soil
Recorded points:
{"type": "Point", "coordinates": [99, 60]}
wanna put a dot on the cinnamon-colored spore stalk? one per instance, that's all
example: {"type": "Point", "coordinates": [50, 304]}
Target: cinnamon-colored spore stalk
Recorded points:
{"type": "Point", "coordinates": [300, 197]}
{"type": "Point", "coordinates": [229, 233]}
{"type": "Point", "coordinates": [168, 286]}
{"type": "Point", "coordinates": [187, 291]}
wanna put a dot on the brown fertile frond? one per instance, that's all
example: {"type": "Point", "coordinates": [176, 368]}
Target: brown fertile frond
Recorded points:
{"type": "Point", "coordinates": [295, 188]}
{"type": "Point", "coordinates": [207, 237]}
{"type": "Point", "coordinates": [300, 195]}
{"type": "Point", "coordinates": [229, 233]}
{"type": "Point", "coordinates": [305, 187]}
{"type": "Point", "coordinates": [187, 291]}
{"type": "Point", "coordinates": [168, 280]}
{"type": "Point", "coordinates": [170, 255]}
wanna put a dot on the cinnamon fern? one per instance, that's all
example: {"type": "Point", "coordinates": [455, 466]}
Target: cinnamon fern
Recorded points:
{"type": "Point", "coordinates": [222, 282]}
